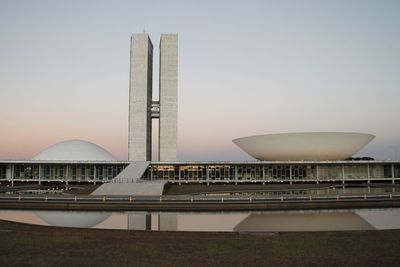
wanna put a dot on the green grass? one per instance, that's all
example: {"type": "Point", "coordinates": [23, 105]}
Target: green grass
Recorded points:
{"type": "Point", "coordinates": [30, 245]}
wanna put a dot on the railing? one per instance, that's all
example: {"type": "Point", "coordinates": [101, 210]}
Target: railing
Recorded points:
{"type": "Point", "coordinates": [195, 199]}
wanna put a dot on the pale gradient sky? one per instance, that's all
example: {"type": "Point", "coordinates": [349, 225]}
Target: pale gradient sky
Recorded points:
{"type": "Point", "coordinates": [245, 67]}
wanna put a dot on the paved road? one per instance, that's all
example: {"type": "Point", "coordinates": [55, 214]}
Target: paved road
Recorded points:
{"type": "Point", "coordinates": [195, 203]}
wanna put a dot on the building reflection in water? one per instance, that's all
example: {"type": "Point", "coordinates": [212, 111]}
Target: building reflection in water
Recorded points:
{"type": "Point", "coordinates": [271, 221]}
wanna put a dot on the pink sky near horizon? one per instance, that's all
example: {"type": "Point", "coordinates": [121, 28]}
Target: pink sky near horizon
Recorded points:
{"type": "Point", "coordinates": [284, 66]}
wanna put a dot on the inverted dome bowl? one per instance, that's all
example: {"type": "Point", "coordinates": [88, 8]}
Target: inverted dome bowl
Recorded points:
{"type": "Point", "coordinates": [304, 146]}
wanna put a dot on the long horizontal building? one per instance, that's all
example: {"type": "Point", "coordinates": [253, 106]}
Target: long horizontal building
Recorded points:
{"type": "Point", "coordinates": [75, 161]}
{"type": "Point", "coordinates": [285, 157]}
{"type": "Point", "coordinates": [202, 172]}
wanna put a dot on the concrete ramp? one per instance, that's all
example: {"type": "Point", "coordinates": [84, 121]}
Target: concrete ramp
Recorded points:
{"type": "Point", "coordinates": [150, 188]}
{"type": "Point", "coordinates": [132, 173]}
{"type": "Point", "coordinates": [128, 182]}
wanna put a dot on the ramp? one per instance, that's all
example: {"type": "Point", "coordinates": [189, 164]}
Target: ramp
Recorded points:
{"type": "Point", "coordinates": [132, 173]}
{"type": "Point", "coordinates": [148, 188]}
{"type": "Point", "coordinates": [128, 182]}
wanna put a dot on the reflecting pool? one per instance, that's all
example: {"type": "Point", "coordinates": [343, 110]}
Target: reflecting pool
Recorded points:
{"type": "Point", "coordinates": [268, 221]}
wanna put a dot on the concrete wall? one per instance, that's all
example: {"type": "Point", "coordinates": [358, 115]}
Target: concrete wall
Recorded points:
{"type": "Point", "coordinates": [140, 97]}
{"type": "Point", "coordinates": [168, 97]}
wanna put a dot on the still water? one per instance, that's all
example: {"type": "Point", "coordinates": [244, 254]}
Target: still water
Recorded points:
{"type": "Point", "coordinates": [269, 221]}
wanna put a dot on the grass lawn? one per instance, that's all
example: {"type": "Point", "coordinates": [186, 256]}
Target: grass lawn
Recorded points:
{"type": "Point", "coordinates": [30, 245]}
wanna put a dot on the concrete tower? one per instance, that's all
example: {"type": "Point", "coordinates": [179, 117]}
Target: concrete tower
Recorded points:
{"type": "Point", "coordinates": [142, 109]}
{"type": "Point", "coordinates": [168, 127]}
{"type": "Point", "coordinates": [140, 98]}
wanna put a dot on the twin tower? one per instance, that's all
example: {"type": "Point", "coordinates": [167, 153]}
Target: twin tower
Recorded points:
{"type": "Point", "coordinates": [142, 108]}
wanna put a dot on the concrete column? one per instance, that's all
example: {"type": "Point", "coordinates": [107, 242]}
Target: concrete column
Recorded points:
{"type": "Point", "coordinates": [66, 177]}
{"type": "Point", "coordinates": [179, 176]}
{"type": "Point", "coordinates": [95, 173]}
{"type": "Point", "coordinates": [12, 174]}
{"type": "Point", "coordinates": [207, 175]}
{"type": "Point", "coordinates": [236, 174]}
{"type": "Point", "coordinates": [393, 174]}
{"type": "Point", "coordinates": [263, 174]}
{"type": "Point", "coordinates": [343, 179]}
{"type": "Point", "coordinates": [67, 172]}
{"type": "Point", "coordinates": [8, 172]}
{"type": "Point", "coordinates": [40, 173]}
{"type": "Point", "coordinates": [317, 172]}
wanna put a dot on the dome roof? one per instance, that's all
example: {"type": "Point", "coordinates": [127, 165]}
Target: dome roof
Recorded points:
{"type": "Point", "coordinates": [75, 150]}
{"type": "Point", "coordinates": [73, 218]}
{"type": "Point", "coordinates": [304, 146]}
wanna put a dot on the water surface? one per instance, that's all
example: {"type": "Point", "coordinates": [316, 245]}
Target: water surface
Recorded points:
{"type": "Point", "coordinates": [268, 221]}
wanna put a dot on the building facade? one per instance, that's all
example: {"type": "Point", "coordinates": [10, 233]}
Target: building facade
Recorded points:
{"type": "Point", "coordinates": [168, 122]}
{"type": "Point", "coordinates": [140, 98]}
{"type": "Point", "coordinates": [142, 108]}
{"type": "Point", "coordinates": [81, 161]}
{"type": "Point", "coordinates": [203, 172]}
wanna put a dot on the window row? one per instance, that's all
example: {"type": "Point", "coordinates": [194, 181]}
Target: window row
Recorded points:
{"type": "Point", "coordinates": [72, 172]}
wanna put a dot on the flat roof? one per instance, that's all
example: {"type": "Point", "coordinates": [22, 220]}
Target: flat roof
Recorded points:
{"type": "Point", "coordinates": [201, 162]}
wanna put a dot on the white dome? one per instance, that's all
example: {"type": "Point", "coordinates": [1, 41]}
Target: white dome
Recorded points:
{"type": "Point", "coordinates": [75, 150]}
{"type": "Point", "coordinates": [304, 146]}
{"type": "Point", "coordinates": [73, 218]}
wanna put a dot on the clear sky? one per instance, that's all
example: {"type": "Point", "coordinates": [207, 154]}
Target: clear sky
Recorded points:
{"type": "Point", "coordinates": [245, 68]}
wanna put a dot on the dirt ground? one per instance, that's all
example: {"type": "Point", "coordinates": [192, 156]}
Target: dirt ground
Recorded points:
{"type": "Point", "coordinates": [30, 245]}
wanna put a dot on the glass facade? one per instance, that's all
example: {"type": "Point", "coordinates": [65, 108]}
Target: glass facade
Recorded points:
{"type": "Point", "coordinates": [220, 172]}
{"type": "Point", "coordinates": [61, 172]}
{"type": "Point", "coordinates": [53, 172]}
{"type": "Point", "coordinates": [396, 170]}
{"type": "Point", "coordinates": [376, 171]}
{"type": "Point", "coordinates": [330, 172]}
{"type": "Point", "coordinates": [205, 172]}
{"type": "Point", "coordinates": [3, 171]}
{"type": "Point", "coordinates": [107, 172]}
{"type": "Point", "coordinates": [356, 171]}
{"type": "Point", "coordinates": [26, 171]}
